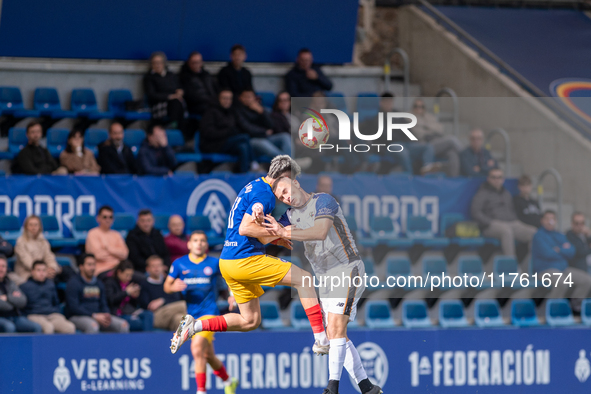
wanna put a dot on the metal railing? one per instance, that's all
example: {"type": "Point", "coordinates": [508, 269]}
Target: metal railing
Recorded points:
{"type": "Point", "coordinates": [405, 74]}
{"type": "Point", "coordinates": [507, 144]}
{"type": "Point", "coordinates": [456, 113]}
{"type": "Point", "coordinates": [540, 191]}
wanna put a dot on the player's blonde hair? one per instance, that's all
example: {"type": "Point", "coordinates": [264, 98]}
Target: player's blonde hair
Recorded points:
{"type": "Point", "coordinates": [281, 164]}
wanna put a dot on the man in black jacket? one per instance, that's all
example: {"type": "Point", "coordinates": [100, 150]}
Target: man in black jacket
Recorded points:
{"type": "Point", "coordinates": [305, 77]}
{"type": "Point", "coordinates": [580, 237]}
{"type": "Point", "coordinates": [220, 132]}
{"type": "Point", "coordinates": [254, 120]}
{"type": "Point", "coordinates": [156, 157]}
{"type": "Point", "coordinates": [234, 76]}
{"type": "Point", "coordinates": [34, 159]}
{"type": "Point", "coordinates": [144, 241]}
{"type": "Point", "coordinates": [198, 85]}
{"type": "Point", "coordinates": [526, 208]}
{"type": "Point", "coordinates": [114, 156]}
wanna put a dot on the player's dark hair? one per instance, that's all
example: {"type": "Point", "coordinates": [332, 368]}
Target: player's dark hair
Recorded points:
{"type": "Point", "coordinates": [144, 212]}
{"type": "Point", "coordinates": [124, 265]}
{"type": "Point", "coordinates": [105, 208]}
{"type": "Point", "coordinates": [82, 258]}
{"type": "Point", "coordinates": [237, 47]}
{"type": "Point", "coordinates": [200, 232]}
{"type": "Point", "coordinates": [38, 262]}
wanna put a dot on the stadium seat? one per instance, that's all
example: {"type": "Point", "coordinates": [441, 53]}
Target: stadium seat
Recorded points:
{"type": "Point", "coordinates": [123, 222]}
{"type": "Point", "coordinates": [378, 315]}
{"type": "Point", "coordinates": [134, 138]}
{"type": "Point", "coordinates": [83, 102]}
{"type": "Point", "coordinates": [434, 266]}
{"type": "Point", "coordinates": [370, 265]}
{"type": "Point", "coordinates": [57, 140]}
{"type": "Point", "coordinates": [298, 316]}
{"type": "Point", "coordinates": [63, 261]}
{"type": "Point", "coordinates": [523, 313]}
{"type": "Point", "coordinates": [506, 265]}
{"type": "Point", "coordinates": [17, 139]}
{"type": "Point", "coordinates": [267, 98]}
{"type": "Point", "coordinates": [202, 223]}
{"type": "Point", "coordinates": [358, 235]}
{"type": "Point", "coordinates": [487, 313]}
{"type": "Point", "coordinates": [53, 233]}
{"type": "Point", "coordinates": [82, 224]}
{"type": "Point", "coordinates": [559, 313]}
{"type": "Point", "coordinates": [270, 317]}
{"type": "Point", "coordinates": [337, 99]}
{"type": "Point", "coordinates": [11, 104]}
{"type": "Point", "coordinates": [470, 265]}
{"type": "Point", "coordinates": [398, 266]}
{"type": "Point", "coordinates": [382, 231]}
{"type": "Point", "coordinates": [418, 228]}
{"type": "Point", "coordinates": [176, 140]}
{"type": "Point", "coordinates": [414, 314]}
{"type": "Point", "coordinates": [10, 228]}
{"type": "Point", "coordinates": [161, 223]}
{"type": "Point", "coordinates": [367, 105]}
{"type": "Point", "coordinates": [93, 137]}
{"type": "Point", "coordinates": [116, 104]}
{"type": "Point", "coordinates": [451, 314]}
{"type": "Point", "coordinates": [586, 312]}
{"type": "Point", "coordinates": [47, 102]}
{"type": "Point", "coordinates": [449, 219]}
{"type": "Point", "coordinates": [213, 157]}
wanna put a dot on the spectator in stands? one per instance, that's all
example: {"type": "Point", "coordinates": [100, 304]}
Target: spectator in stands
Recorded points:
{"type": "Point", "coordinates": [234, 76]}
{"type": "Point", "coordinates": [30, 247]}
{"type": "Point", "coordinates": [220, 132]}
{"type": "Point", "coordinates": [306, 78]}
{"type": "Point", "coordinates": [492, 207]}
{"type": "Point", "coordinates": [164, 92]}
{"type": "Point", "coordinates": [527, 208]}
{"type": "Point", "coordinates": [476, 160]}
{"type": "Point", "coordinates": [114, 157]}
{"type": "Point", "coordinates": [11, 300]}
{"type": "Point", "coordinates": [256, 121]}
{"type": "Point", "coordinates": [580, 237]}
{"type": "Point", "coordinates": [86, 301]}
{"type": "Point", "coordinates": [283, 120]}
{"type": "Point", "coordinates": [168, 309]}
{"type": "Point", "coordinates": [144, 241]}
{"type": "Point", "coordinates": [429, 130]}
{"type": "Point", "coordinates": [107, 245]}
{"type": "Point", "coordinates": [551, 252]}
{"type": "Point", "coordinates": [199, 85]}
{"type": "Point", "coordinates": [34, 159]}
{"type": "Point", "coordinates": [156, 157]}
{"type": "Point", "coordinates": [78, 159]}
{"type": "Point", "coordinates": [6, 248]}
{"type": "Point", "coordinates": [123, 298]}
{"type": "Point", "coordinates": [43, 306]}
{"type": "Point", "coordinates": [176, 240]}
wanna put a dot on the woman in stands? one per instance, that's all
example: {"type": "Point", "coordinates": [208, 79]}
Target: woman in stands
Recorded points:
{"type": "Point", "coordinates": [78, 159]}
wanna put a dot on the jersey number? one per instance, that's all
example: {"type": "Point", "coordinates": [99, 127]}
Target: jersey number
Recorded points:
{"type": "Point", "coordinates": [231, 217]}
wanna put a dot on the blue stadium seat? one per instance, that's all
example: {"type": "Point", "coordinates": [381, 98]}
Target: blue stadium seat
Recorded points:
{"type": "Point", "coordinates": [358, 235]}
{"type": "Point", "coordinates": [470, 265]}
{"type": "Point", "coordinates": [202, 223]}
{"type": "Point", "coordinates": [116, 104]}
{"type": "Point", "coordinates": [83, 102]}
{"type": "Point", "coordinates": [298, 316]}
{"type": "Point", "coordinates": [378, 315]}
{"type": "Point", "coordinates": [368, 105]}
{"type": "Point", "coordinates": [10, 228]}
{"type": "Point", "coordinates": [487, 313]}
{"type": "Point", "coordinates": [414, 314]}
{"type": "Point", "coordinates": [134, 138]}
{"type": "Point", "coordinates": [270, 315]}
{"type": "Point", "coordinates": [506, 265]}
{"type": "Point", "coordinates": [123, 222]}
{"type": "Point", "coordinates": [57, 140]}
{"type": "Point", "coordinates": [213, 157]}
{"type": "Point", "coordinates": [451, 314]}
{"type": "Point", "coordinates": [434, 266]}
{"type": "Point", "coordinates": [55, 235]}
{"type": "Point", "coordinates": [370, 265]}
{"type": "Point", "coordinates": [63, 261]}
{"type": "Point", "coordinates": [17, 139]}
{"type": "Point", "coordinates": [419, 229]}
{"type": "Point", "coordinates": [47, 102]}
{"type": "Point", "coordinates": [337, 99]}
{"type": "Point", "coordinates": [382, 230]}
{"type": "Point", "coordinates": [11, 103]}
{"type": "Point", "coordinates": [161, 223]}
{"type": "Point", "coordinates": [449, 219]}
{"type": "Point", "coordinates": [398, 266]}
{"type": "Point", "coordinates": [267, 98]}
{"type": "Point", "coordinates": [175, 140]}
{"type": "Point", "coordinates": [93, 137]}
{"type": "Point", "coordinates": [586, 312]}
{"type": "Point", "coordinates": [523, 313]}
{"type": "Point", "coordinates": [81, 225]}
{"type": "Point", "coordinates": [558, 313]}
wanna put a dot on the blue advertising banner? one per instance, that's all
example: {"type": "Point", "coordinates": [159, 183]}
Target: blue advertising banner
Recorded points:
{"type": "Point", "coordinates": [543, 360]}
{"type": "Point", "coordinates": [362, 196]}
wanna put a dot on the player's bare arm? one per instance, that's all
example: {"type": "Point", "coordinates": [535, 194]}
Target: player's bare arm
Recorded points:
{"type": "Point", "coordinates": [172, 285]}
{"type": "Point", "coordinates": [318, 232]}
{"type": "Point", "coordinates": [250, 228]}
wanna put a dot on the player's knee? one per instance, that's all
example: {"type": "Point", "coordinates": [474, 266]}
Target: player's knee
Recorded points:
{"type": "Point", "coordinates": [253, 323]}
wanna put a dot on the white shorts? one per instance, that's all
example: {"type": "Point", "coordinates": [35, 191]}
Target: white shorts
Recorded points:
{"type": "Point", "coordinates": [342, 298]}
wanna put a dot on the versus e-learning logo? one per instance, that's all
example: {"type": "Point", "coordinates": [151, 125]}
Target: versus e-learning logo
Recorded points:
{"type": "Point", "coordinates": [314, 132]}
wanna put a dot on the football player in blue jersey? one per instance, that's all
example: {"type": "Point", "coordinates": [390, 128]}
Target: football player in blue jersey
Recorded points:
{"type": "Point", "coordinates": [197, 276]}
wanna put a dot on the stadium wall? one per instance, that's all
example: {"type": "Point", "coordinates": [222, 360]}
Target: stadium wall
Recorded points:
{"type": "Point", "coordinates": [486, 361]}
{"type": "Point", "coordinates": [539, 140]}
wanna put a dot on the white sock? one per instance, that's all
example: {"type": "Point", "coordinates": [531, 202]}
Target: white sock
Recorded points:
{"type": "Point", "coordinates": [201, 392]}
{"type": "Point", "coordinates": [336, 358]}
{"type": "Point", "coordinates": [321, 338]}
{"type": "Point", "coordinates": [198, 326]}
{"type": "Point", "coordinates": [353, 363]}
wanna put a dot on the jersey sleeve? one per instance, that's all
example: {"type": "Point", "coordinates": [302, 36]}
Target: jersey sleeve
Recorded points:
{"type": "Point", "coordinates": [326, 207]}
{"type": "Point", "coordinates": [284, 220]}
{"type": "Point", "coordinates": [174, 271]}
{"type": "Point", "coordinates": [267, 199]}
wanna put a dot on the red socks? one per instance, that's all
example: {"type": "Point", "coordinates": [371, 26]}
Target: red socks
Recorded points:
{"type": "Point", "coordinates": [216, 324]}
{"type": "Point", "coordinates": [315, 316]}
{"type": "Point", "coordinates": [221, 373]}
{"type": "Point", "coordinates": [201, 379]}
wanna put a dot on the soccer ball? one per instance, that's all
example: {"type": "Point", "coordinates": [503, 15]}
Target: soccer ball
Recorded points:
{"type": "Point", "coordinates": [313, 134]}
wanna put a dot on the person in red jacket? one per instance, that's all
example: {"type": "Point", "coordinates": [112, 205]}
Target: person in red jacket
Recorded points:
{"type": "Point", "coordinates": [176, 241]}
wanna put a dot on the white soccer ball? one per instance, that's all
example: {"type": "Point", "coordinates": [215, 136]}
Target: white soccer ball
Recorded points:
{"type": "Point", "coordinates": [313, 134]}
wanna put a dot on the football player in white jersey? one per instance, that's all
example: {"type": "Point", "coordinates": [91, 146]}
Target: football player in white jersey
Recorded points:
{"type": "Point", "coordinates": [317, 220]}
